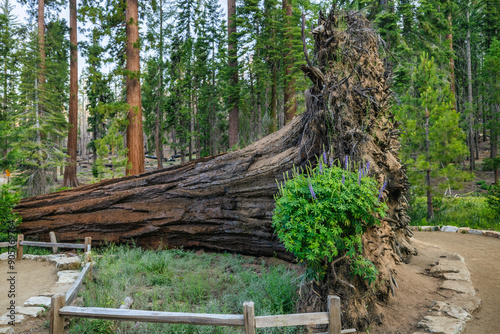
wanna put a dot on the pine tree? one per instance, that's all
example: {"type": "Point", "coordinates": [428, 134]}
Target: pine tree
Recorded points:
{"type": "Point", "coordinates": [70, 179]}
{"type": "Point", "coordinates": [9, 77]}
{"type": "Point", "coordinates": [432, 140]}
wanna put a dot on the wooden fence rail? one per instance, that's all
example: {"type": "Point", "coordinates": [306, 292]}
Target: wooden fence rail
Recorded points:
{"type": "Point", "coordinates": [86, 246]}
{"type": "Point", "coordinates": [248, 320]}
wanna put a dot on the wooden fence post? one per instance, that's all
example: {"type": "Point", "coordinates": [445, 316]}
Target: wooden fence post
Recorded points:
{"type": "Point", "coordinates": [53, 239]}
{"type": "Point", "coordinates": [20, 237]}
{"type": "Point", "coordinates": [87, 248]}
{"type": "Point", "coordinates": [249, 316]}
{"type": "Point", "coordinates": [56, 321]}
{"type": "Point", "coordinates": [334, 315]}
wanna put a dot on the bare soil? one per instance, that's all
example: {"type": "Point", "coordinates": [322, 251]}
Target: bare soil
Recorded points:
{"type": "Point", "coordinates": [415, 293]}
{"type": "Point", "coordinates": [482, 258]}
{"type": "Point", "coordinates": [32, 278]}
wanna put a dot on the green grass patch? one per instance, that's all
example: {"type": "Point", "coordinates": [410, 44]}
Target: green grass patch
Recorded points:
{"type": "Point", "coordinates": [472, 212]}
{"type": "Point", "coordinates": [182, 281]}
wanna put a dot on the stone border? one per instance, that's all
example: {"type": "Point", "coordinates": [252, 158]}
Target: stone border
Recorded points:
{"type": "Point", "coordinates": [67, 273]}
{"type": "Point", "coordinates": [454, 229]}
{"type": "Point", "coordinates": [451, 316]}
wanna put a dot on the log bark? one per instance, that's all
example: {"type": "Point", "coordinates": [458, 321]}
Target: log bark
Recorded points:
{"type": "Point", "coordinates": [220, 203]}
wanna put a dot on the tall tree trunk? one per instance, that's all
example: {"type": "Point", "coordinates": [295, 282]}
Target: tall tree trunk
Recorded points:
{"type": "Point", "coordinates": [289, 99]}
{"type": "Point", "coordinates": [135, 143]}
{"type": "Point", "coordinates": [41, 41]}
{"type": "Point", "coordinates": [159, 113]}
{"type": "Point", "coordinates": [449, 37]}
{"type": "Point", "coordinates": [274, 100]}
{"type": "Point", "coordinates": [234, 122]}
{"type": "Point", "coordinates": [70, 179]}
{"type": "Point", "coordinates": [471, 108]}
{"type": "Point", "coordinates": [430, 210]}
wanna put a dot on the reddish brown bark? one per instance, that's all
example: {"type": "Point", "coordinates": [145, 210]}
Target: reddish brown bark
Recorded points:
{"type": "Point", "coordinates": [135, 143]}
{"type": "Point", "coordinates": [234, 122]}
{"type": "Point", "coordinates": [70, 179]}
{"type": "Point", "coordinates": [289, 101]}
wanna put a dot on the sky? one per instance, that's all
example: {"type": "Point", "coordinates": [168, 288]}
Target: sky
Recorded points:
{"type": "Point", "coordinates": [20, 13]}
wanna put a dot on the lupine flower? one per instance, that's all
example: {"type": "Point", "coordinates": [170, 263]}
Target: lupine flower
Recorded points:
{"type": "Point", "coordinates": [325, 160]}
{"type": "Point", "coordinates": [320, 168]}
{"type": "Point", "coordinates": [311, 190]}
{"type": "Point", "coordinates": [382, 190]}
{"type": "Point", "coordinates": [360, 173]}
{"type": "Point", "coordinates": [346, 161]}
{"type": "Point", "coordinates": [343, 179]}
{"type": "Point", "coordinates": [367, 168]}
{"type": "Point", "coordinates": [331, 162]}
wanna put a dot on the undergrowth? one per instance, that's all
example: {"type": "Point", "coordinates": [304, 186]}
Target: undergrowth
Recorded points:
{"type": "Point", "coordinates": [182, 281]}
{"type": "Point", "coordinates": [472, 212]}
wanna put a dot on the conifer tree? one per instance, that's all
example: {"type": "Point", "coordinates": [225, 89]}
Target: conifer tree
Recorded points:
{"type": "Point", "coordinates": [70, 179]}
{"type": "Point", "coordinates": [9, 78]}
{"type": "Point", "coordinates": [432, 140]}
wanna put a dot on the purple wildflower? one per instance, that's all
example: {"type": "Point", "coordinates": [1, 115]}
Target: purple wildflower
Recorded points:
{"type": "Point", "coordinates": [382, 191]}
{"type": "Point", "coordinates": [367, 168]}
{"type": "Point", "coordinates": [343, 179]}
{"type": "Point", "coordinates": [325, 160]}
{"type": "Point", "coordinates": [331, 162]}
{"type": "Point", "coordinates": [360, 174]}
{"type": "Point", "coordinates": [311, 190]}
{"type": "Point", "coordinates": [346, 161]}
{"type": "Point", "coordinates": [320, 168]}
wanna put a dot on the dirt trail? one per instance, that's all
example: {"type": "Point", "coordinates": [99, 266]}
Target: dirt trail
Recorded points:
{"type": "Point", "coordinates": [32, 278]}
{"type": "Point", "coordinates": [482, 258]}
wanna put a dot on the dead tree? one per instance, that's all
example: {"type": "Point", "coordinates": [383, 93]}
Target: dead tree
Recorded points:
{"type": "Point", "coordinates": [225, 202]}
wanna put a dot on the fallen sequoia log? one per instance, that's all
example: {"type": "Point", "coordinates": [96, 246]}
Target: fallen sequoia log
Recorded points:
{"type": "Point", "coordinates": [225, 202]}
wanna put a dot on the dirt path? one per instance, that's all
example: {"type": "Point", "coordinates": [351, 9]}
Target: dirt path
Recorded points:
{"type": "Point", "coordinates": [482, 257]}
{"type": "Point", "coordinates": [32, 278]}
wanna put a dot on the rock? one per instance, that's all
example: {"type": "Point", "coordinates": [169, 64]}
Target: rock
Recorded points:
{"type": "Point", "coordinates": [463, 230]}
{"type": "Point", "coordinates": [67, 276]}
{"type": "Point", "coordinates": [492, 234]}
{"type": "Point", "coordinates": [7, 330]}
{"type": "Point", "coordinates": [451, 310]}
{"type": "Point", "coordinates": [32, 257]}
{"type": "Point", "coordinates": [459, 286]}
{"type": "Point", "coordinates": [467, 302]}
{"type": "Point", "coordinates": [463, 275]}
{"type": "Point", "coordinates": [53, 257]}
{"type": "Point", "coordinates": [4, 256]}
{"type": "Point", "coordinates": [30, 311]}
{"type": "Point", "coordinates": [39, 300]}
{"type": "Point", "coordinates": [478, 232]}
{"type": "Point", "coordinates": [448, 228]}
{"type": "Point", "coordinates": [441, 325]}
{"type": "Point", "coordinates": [447, 266]}
{"type": "Point", "coordinates": [5, 319]}
{"type": "Point", "coordinates": [425, 228]}
{"type": "Point", "coordinates": [68, 263]}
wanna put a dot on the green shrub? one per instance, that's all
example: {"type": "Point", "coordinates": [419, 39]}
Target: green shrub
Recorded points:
{"type": "Point", "coordinates": [320, 215]}
{"type": "Point", "coordinates": [8, 200]}
{"type": "Point", "coordinates": [472, 211]}
{"type": "Point", "coordinates": [493, 199]}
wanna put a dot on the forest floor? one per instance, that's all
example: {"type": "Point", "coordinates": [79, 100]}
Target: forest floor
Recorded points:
{"type": "Point", "coordinates": [417, 290]}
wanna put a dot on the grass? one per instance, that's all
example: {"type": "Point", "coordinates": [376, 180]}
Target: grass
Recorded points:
{"type": "Point", "coordinates": [182, 281]}
{"type": "Point", "coordinates": [470, 212]}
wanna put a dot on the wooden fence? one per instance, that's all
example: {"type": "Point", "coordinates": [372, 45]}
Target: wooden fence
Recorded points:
{"type": "Point", "coordinates": [248, 320]}
{"type": "Point", "coordinates": [86, 246]}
